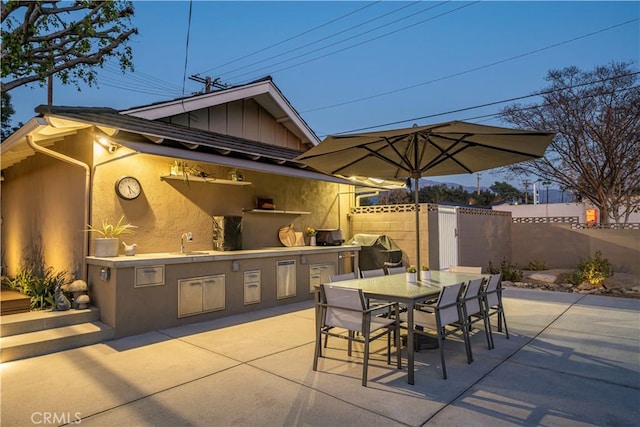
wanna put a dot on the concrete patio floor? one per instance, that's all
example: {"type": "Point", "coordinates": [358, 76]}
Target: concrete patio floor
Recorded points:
{"type": "Point", "coordinates": [571, 360]}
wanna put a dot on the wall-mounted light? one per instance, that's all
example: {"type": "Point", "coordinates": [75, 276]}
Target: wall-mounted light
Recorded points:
{"type": "Point", "coordinates": [107, 145]}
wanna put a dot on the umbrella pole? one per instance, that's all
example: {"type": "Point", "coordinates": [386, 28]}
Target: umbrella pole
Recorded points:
{"type": "Point", "coordinates": [417, 202]}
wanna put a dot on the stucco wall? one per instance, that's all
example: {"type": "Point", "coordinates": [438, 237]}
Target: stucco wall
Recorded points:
{"type": "Point", "coordinates": [560, 246]}
{"type": "Point", "coordinates": [43, 210]}
{"type": "Point", "coordinates": [167, 209]}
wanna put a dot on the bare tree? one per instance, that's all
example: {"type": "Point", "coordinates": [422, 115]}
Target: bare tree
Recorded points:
{"type": "Point", "coordinates": [596, 152]}
{"type": "Point", "coordinates": [42, 38]}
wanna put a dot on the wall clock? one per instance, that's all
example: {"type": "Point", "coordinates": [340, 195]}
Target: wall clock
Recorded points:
{"type": "Point", "coordinates": [128, 188]}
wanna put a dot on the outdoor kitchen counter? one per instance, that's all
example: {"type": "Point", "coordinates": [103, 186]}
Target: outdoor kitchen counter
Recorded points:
{"type": "Point", "coordinates": [139, 260]}
{"type": "Point", "coordinates": [148, 292]}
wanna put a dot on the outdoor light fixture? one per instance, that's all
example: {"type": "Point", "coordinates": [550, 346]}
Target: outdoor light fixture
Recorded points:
{"type": "Point", "coordinates": [107, 145]}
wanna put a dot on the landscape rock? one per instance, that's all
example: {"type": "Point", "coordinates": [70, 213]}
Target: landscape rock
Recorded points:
{"type": "Point", "coordinates": [543, 277]}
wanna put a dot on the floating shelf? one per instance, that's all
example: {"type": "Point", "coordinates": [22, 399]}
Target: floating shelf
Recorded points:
{"type": "Point", "coordinates": [271, 211]}
{"type": "Point", "coordinates": [205, 180]}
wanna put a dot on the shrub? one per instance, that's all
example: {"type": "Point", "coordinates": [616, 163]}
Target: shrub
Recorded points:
{"type": "Point", "coordinates": [536, 265]}
{"type": "Point", "coordinates": [511, 273]}
{"type": "Point", "coordinates": [41, 289]}
{"type": "Point", "coordinates": [593, 270]}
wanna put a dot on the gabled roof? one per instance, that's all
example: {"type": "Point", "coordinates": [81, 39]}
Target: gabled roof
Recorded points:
{"type": "Point", "coordinates": [121, 128]}
{"type": "Point", "coordinates": [263, 91]}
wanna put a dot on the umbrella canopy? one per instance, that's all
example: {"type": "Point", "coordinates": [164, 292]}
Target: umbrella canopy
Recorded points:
{"type": "Point", "coordinates": [433, 150]}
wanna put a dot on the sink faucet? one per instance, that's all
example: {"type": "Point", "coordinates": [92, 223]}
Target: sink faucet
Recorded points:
{"type": "Point", "coordinates": [188, 236]}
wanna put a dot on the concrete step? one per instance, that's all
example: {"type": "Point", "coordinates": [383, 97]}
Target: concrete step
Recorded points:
{"type": "Point", "coordinates": [22, 323]}
{"type": "Point", "coordinates": [46, 341]}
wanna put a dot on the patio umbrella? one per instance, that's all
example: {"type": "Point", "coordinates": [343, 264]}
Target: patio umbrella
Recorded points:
{"type": "Point", "coordinates": [440, 149]}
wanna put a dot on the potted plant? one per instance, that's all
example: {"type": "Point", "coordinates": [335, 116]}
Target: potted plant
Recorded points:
{"type": "Point", "coordinates": [311, 232]}
{"type": "Point", "coordinates": [108, 242]}
{"type": "Point", "coordinates": [411, 274]}
{"type": "Point", "coordinates": [425, 274]}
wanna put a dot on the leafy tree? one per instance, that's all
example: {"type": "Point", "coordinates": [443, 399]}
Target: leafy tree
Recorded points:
{"type": "Point", "coordinates": [395, 197]}
{"type": "Point", "coordinates": [43, 38]}
{"type": "Point", "coordinates": [596, 152]}
{"type": "Point", "coordinates": [6, 111]}
{"type": "Point", "coordinates": [505, 191]}
{"type": "Point", "coordinates": [443, 193]}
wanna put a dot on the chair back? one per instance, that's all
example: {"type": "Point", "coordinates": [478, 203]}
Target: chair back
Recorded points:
{"type": "Point", "coordinates": [396, 270]}
{"type": "Point", "coordinates": [471, 297]}
{"type": "Point", "coordinates": [448, 304]}
{"type": "Point", "coordinates": [465, 269]}
{"type": "Point", "coordinates": [341, 277]}
{"type": "Point", "coordinates": [491, 290]}
{"type": "Point", "coordinates": [345, 307]}
{"type": "Point", "coordinates": [372, 273]}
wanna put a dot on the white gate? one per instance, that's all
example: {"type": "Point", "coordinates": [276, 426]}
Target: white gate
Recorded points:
{"type": "Point", "coordinates": [448, 236]}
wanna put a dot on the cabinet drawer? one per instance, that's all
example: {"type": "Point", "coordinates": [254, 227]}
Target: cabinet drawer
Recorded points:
{"type": "Point", "coordinates": [252, 287]}
{"type": "Point", "coordinates": [149, 276]}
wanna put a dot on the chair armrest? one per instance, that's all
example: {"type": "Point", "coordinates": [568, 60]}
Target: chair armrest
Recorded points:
{"type": "Point", "coordinates": [382, 307]}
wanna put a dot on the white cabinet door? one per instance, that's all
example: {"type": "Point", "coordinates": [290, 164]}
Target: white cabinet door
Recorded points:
{"type": "Point", "coordinates": [213, 293]}
{"type": "Point", "coordinates": [189, 297]}
{"type": "Point", "coordinates": [286, 285]}
{"type": "Point", "coordinates": [201, 294]}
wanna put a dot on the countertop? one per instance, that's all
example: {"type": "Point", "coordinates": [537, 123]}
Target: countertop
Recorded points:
{"type": "Point", "coordinates": [142, 259]}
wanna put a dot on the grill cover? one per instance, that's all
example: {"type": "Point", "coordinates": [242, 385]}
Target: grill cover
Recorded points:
{"type": "Point", "coordinates": [377, 251]}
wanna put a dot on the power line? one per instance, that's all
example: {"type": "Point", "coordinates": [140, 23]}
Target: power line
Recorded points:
{"type": "Point", "coordinates": [533, 107]}
{"type": "Point", "coordinates": [290, 38]}
{"type": "Point", "coordinates": [334, 35]}
{"type": "Point", "coordinates": [489, 104]}
{"type": "Point", "coordinates": [354, 45]}
{"type": "Point", "coordinates": [502, 61]}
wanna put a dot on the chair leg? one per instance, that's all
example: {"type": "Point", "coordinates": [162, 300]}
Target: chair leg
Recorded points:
{"type": "Point", "coordinates": [388, 346]}
{"type": "Point", "coordinates": [365, 366]}
{"type": "Point", "coordinates": [396, 338]}
{"type": "Point", "coordinates": [349, 345]}
{"type": "Point", "coordinates": [487, 331]}
{"type": "Point", "coordinates": [467, 342]}
{"type": "Point", "coordinates": [506, 329]}
{"type": "Point", "coordinates": [440, 346]}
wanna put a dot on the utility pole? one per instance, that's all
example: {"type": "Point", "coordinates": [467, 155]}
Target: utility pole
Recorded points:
{"type": "Point", "coordinates": [208, 82]}
{"type": "Point", "coordinates": [526, 191]}
{"type": "Point", "coordinates": [478, 185]}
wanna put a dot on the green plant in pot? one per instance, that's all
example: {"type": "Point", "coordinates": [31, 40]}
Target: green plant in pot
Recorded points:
{"type": "Point", "coordinates": [411, 273]}
{"type": "Point", "coordinates": [108, 242]}
{"type": "Point", "coordinates": [425, 274]}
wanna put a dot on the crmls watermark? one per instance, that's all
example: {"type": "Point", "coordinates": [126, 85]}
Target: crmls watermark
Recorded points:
{"type": "Point", "coordinates": [56, 418]}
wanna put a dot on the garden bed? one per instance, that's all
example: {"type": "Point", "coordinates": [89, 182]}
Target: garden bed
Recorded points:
{"type": "Point", "coordinates": [619, 285]}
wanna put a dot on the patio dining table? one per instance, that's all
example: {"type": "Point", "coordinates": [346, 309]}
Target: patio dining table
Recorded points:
{"type": "Point", "coordinates": [396, 288]}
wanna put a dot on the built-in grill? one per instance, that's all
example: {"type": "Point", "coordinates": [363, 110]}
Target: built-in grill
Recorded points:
{"type": "Point", "coordinates": [376, 251]}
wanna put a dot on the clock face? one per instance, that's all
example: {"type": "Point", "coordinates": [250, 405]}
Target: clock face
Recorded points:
{"type": "Point", "coordinates": [128, 188]}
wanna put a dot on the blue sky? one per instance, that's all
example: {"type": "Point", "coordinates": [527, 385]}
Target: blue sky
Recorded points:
{"type": "Point", "coordinates": [356, 68]}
